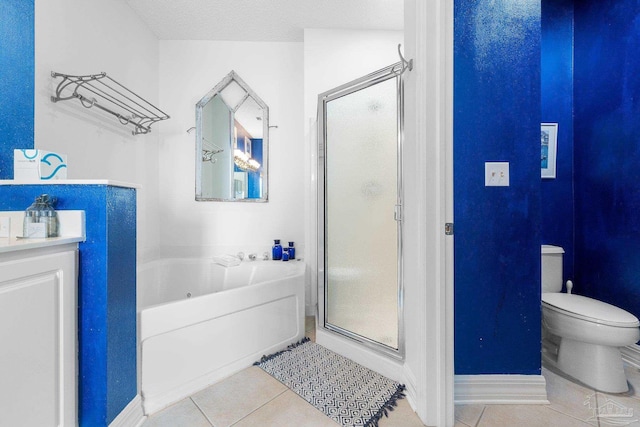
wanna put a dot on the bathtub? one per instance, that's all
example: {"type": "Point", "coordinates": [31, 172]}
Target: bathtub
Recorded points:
{"type": "Point", "coordinates": [201, 322]}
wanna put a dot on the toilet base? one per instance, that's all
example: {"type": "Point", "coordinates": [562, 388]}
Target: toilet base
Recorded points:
{"type": "Point", "coordinates": [600, 367]}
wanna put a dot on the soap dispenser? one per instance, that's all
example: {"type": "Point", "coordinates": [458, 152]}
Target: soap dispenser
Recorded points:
{"type": "Point", "coordinates": [276, 251]}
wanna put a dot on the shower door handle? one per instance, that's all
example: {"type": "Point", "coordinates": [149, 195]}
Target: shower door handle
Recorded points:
{"type": "Point", "coordinates": [397, 213]}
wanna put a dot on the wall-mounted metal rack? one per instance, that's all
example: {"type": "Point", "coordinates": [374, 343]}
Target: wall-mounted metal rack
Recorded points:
{"type": "Point", "coordinates": [106, 94]}
{"type": "Point", "coordinates": [209, 149]}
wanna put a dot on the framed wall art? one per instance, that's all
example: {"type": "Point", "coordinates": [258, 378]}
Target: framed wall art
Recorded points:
{"type": "Point", "coordinates": [549, 149]}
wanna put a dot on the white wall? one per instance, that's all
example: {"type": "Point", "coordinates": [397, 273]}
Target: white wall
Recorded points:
{"type": "Point", "coordinates": [335, 57]}
{"type": "Point", "coordinates": [188, 70]}
{"type": "Point", "coordinates": [332, 58]}
{"type": "Point", "coordinates": [79, 37]}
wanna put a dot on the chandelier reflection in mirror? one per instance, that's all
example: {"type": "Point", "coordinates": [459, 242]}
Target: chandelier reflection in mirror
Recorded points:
{"type": "Point", "coordinates": [242, 159]}
{"type": "Point", "coordinates": [232, 125]}
{"type": "Point", "coordinates": [244, 162]}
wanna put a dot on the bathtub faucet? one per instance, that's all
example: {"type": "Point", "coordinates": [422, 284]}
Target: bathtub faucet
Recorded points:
{"type": "Point", "coordinates": [253, 257]}
{"type": "Point", "coordinates": [240, 255]}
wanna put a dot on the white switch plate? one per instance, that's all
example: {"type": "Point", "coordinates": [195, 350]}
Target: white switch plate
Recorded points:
{"type": "Point", "coordinates": [496, 174]}
{"type": "Point", "coordinates": [5, 226]}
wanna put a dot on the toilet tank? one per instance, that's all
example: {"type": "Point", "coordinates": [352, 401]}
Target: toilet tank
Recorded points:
{"type": "Point", "coordinates": [551, 266]}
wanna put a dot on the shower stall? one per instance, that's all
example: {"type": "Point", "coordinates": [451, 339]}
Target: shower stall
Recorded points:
{"type": "Point", "coordinates": [360, 289]}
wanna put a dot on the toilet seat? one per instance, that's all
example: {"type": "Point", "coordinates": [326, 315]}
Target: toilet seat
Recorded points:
{"type": "Point", "coordinates": [589, 309]}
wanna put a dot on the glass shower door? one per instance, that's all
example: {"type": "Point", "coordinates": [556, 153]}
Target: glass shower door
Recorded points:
{"type": "Point", "coordinates": [361, 142]}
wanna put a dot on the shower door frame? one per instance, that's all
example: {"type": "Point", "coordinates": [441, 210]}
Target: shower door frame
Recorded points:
{"type": "Point", "coordinates": [393, 71]}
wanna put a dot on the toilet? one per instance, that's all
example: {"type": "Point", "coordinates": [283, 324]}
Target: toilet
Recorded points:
{"type": "Point", "coordinates": [581, 336]}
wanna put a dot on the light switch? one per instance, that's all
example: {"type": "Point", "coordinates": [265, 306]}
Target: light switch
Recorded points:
{"type": "Point", "coordinates": [496, 174]}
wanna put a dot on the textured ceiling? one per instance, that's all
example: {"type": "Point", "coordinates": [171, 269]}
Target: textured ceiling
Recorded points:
{"type": "Point", "coordinates": [263, 20]}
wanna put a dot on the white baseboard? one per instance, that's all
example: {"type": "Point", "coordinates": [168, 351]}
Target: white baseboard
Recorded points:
{"type": "Point", "coordinates": [131, 416]}
{"type": "Point", "coordinates": [500, 389]}
{"type": "Point", "coordinates": [411, 391]}
{"type": "Point", "coordinates": [631, 354]}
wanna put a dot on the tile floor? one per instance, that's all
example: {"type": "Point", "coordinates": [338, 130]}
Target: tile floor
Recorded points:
{"type": "Point", "coordinates": [571, 404]}
{"type": "Point", "coordinates": [254, 398]}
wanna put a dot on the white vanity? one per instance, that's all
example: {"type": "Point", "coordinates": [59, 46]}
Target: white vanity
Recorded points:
{"type": "Point", "coordinates": [38, 324]}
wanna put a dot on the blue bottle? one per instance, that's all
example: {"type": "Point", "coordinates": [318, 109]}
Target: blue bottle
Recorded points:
{"type": "Point", "coordinates": [285, 255]}
{"type": "Point", "coordinates": [292, 251]}
{"type": "Point", "coordinates": [276, 251]}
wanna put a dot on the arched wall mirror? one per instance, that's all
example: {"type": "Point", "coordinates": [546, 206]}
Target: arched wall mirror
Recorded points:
{"type": "Point", "coordinates": [232, 143]}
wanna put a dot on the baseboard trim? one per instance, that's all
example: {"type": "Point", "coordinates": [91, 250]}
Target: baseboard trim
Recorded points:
{"type": "Point", "coordinates": [500, 389]}
{"type": "Point", "coordinates": [131, 416]}
{"type": "Point", "coordinates": [411, 391]}
{"type": "Point", "coordinates": [631, 354]}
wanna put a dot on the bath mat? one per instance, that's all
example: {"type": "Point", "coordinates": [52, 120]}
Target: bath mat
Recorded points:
{"type": "Point", "coordinates": [343, 390]}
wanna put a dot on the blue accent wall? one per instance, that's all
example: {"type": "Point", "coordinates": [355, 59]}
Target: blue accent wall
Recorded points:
{"type": "Point", "coordinates": [557, 202]}
{"type": "Point", "coordinates": [497, 229]}
{"type": "Point", "coordinates": [106, 292]}
{"type": "Point", "coordinates": [121, 299]}
{"type": "Point", "coordinates": [17, 35]}
{"type": "Point", "coordinates": [607, 151]}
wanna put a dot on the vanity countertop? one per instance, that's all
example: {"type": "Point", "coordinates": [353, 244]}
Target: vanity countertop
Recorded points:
{"type": "Point", "coordinates": [71, 227]}
{"type": "Point", "coordinates": [11, 244]}
{"type": "Point", "coordinates": [108, 182]}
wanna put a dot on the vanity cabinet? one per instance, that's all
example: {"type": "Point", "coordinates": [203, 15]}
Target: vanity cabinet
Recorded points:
{"type": "Point", "coordinates": [107, 329]}
{"type": "Point", "coordinates": [38, 306]}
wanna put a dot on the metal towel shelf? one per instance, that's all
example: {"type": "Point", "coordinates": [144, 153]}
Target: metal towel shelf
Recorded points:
{"type": "Point", "coordinates": [101, 91]}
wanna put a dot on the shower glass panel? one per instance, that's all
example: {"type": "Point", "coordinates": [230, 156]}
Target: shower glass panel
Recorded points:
{"type": "Point", "coordinates": [362, 289]}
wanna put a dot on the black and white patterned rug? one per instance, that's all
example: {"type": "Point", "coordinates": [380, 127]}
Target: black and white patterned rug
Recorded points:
{"type": "Point", "coordinates": [343, 390]}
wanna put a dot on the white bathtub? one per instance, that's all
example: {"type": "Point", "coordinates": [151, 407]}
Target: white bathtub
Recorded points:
{"type": "Point", "coordinates": [201, 322]}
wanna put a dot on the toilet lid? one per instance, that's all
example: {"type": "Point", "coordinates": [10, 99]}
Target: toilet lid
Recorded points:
{"type": "Point", "coordinates": [589, 309]}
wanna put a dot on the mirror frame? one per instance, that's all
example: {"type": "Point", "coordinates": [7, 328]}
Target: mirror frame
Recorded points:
{"type": "Point", "coordinates": [229, 78]}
